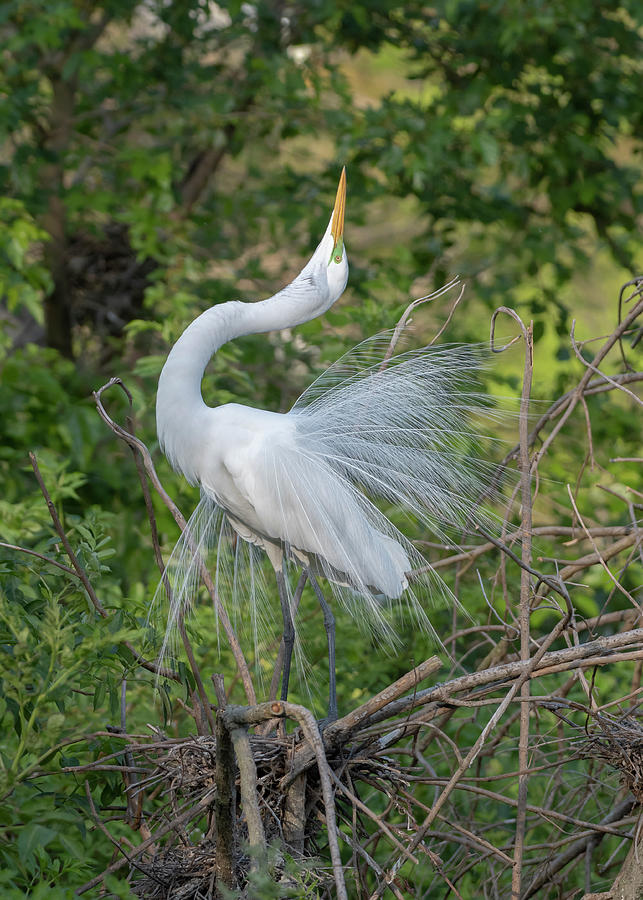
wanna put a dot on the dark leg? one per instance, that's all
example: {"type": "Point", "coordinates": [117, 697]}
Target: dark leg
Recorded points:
{"type": "Point", "coordinates": [276, 674]}
{"type": "Point", "coordinates": [289, 631]}
{"type": "Point", "coordinates": [329, 625]}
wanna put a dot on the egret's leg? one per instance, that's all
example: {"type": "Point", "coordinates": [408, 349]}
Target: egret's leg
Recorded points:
{"type": "Point", "coordinates": [329, 625]}
{"type": "Point", "coordinates": [289, 630]}
{"type": "Point", "coordinates": [296, 599]}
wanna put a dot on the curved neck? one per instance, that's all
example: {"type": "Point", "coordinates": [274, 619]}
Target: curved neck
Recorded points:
{"type": "Point", "coordinates": [179, 405]}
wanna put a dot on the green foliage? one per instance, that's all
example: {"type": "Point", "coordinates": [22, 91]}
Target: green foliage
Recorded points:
{"type": "Point", "coordinates": [513, 148]}
{"type": "Point", "coordinates": [55, 653]}
{"type": "Point", "coordinates": [500, 140]}
{"type": "Point", "coordinates": [23, 276]}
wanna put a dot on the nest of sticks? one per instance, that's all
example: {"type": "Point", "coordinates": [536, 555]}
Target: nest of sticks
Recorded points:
{"type": "Point", "coordinates": [619, 742]}
{"type": "Point", "coordinates": [274, 790]}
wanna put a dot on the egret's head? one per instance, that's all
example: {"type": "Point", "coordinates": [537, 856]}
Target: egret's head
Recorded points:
{"type": "Point", "coordinates": [336, 262]}
{"type": "Point", "coordinates": [327, 269]}
{"type": "Point", "coordinates": [336, 224]}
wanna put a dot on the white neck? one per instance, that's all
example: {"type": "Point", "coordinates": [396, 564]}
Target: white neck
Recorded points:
{"type": "Point", "coordinates": [179, 405]}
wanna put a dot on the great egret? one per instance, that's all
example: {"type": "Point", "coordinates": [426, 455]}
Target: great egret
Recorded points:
{"type": "Point", "coordinates": [301, 485]}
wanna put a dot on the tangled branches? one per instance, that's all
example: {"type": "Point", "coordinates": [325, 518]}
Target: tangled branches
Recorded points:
{"type": "Point", "coordinates": [519, 774]}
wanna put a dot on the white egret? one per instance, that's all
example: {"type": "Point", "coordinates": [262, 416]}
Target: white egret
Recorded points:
{"type": "Point", "coordinates": [301, 485]}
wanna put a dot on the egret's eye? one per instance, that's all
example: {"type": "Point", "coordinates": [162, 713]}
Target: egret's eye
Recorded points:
{"type": "Point", "coordinates": [337, 252]}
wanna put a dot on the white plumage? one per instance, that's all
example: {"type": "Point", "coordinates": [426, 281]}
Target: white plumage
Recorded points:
{"type": "Point", "coordinates": [302, 485]}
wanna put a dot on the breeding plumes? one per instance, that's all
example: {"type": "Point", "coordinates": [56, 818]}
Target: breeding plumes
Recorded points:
{"type": "Point", "coordinates": [302, 486]}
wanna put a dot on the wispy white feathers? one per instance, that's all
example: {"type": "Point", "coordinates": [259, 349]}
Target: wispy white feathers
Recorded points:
{"type": "Point", "coordinates": [411, 432]}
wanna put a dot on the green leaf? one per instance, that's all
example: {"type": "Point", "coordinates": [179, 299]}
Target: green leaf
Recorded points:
{"type": "Point", "coordinates": [33, 837]}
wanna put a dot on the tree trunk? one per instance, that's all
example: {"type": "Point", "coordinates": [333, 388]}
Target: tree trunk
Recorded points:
{"type": "Point", "coordinates": [58, 302]}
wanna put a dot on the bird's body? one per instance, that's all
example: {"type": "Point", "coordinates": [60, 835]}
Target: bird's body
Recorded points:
{"type": "Point", "coordinates": [279, 493]}
{"type": "Point", "coordinates": [301, 485]}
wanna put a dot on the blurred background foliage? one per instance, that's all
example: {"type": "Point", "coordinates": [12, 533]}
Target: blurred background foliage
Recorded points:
{"type": "Point", "coordinates": [158, 157]}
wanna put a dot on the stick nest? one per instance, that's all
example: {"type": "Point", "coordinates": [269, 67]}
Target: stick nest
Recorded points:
{"type": "Point", "coordinates": [620, 743]}
{"type": "Point", "coordinates": [185, 773]}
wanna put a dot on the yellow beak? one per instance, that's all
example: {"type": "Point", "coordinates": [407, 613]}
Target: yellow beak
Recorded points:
{"type": "Point", "coordinates": [337, 227]}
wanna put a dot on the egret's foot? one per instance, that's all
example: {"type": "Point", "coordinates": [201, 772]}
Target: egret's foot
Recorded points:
{"type": "Point", "coordinates": [326, 721]}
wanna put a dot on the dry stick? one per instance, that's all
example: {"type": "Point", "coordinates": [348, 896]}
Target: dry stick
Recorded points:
{"type": "Point", "coordinates": [529, 666]}
{"type": "Point", "coordinates": [242, 715]}
{"type": "Point", "coordinates": [451, 312]}
{"type": "Point", "coordinates": [247, 788]}
{"type": "Point", "coordinates": [636, 283]}
{"type": "Point", "coordinates": [532, 808]}
{"type": "Point", "coordinates": [600, 558]}
{"type": "Point", "coordinates": [555, 583]}
{"type": "Point", "coordinates": [225, 813]}
{"type": "Point", "coordinates": [553, 866]}
{"type": "Point", "coordinates": [594, 386]}
{"type": "Point", "coordinates": [294, 816]}
{"type": "Point", "coordinates": [592, 653]}
{"type": "Point", "coordinates": [404, 318]}
{"type": "Point", "coordinates": [113, 840]}
{"type": "Point", "coordinates": [475, 838]}
{"type": "Point", "coordinates": [407, 682]}
{"type": "Point", "coordinates": [375, 818]}
{"type": "Point", "coordinates": [525, 600]}
{"type": "Point", "coordinates": [584, 382]}
{"type": "Point", "coordinates": [596, 370]}
{"type": "Point", "coordinates": [136, 443]}
{"type": "Point", "coordinates": [592, 559]}
{"type": "Point", "coordinates": [566, 404]}
{"type": "Point", "coordinates": [592, 661]}
{"type": "Point", "coordinates": [523, 680]}
{"type": "Point", "coordinates": [82, 575]}
{"type": "Point", "coordinates": [337, 732]}
{"type": "Point", "coordinates": [599, 650]}
{"type": "Point", "coordinates": [356, 848]}
{"type": "Point", "coordinates": [189, 814]}
{"type": "Point", "coordinates": [471, 555]}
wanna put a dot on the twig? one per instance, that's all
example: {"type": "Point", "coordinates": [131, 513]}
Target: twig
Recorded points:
{"type": "Point", "coordinates": [338, 732]}
{"type": "Point", "coordinates": [349, 723]}
{"type": "Point", "coordinates": [525, 588]}
{"type": "Point", "coordinates": [47, 559]}
{"type": "Point", "coordinates": [552, 867]}
{"type": "Point", "coordinates": [191, 813]}
{"type": "Point", "coordinates": [596, 370]}
{"type": "Point", "coordinates": [403, 320]}
{"type": "Point", "coordinates": [600, 558]}
{"type": "Point", "coordinates": [238, 715]}
{"type": "Point", "coordinates": [113, 840]}
{"type": "Point", "coordinates": [140, 447]}
{"type": "Point", "coordinates": [375, 818]}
